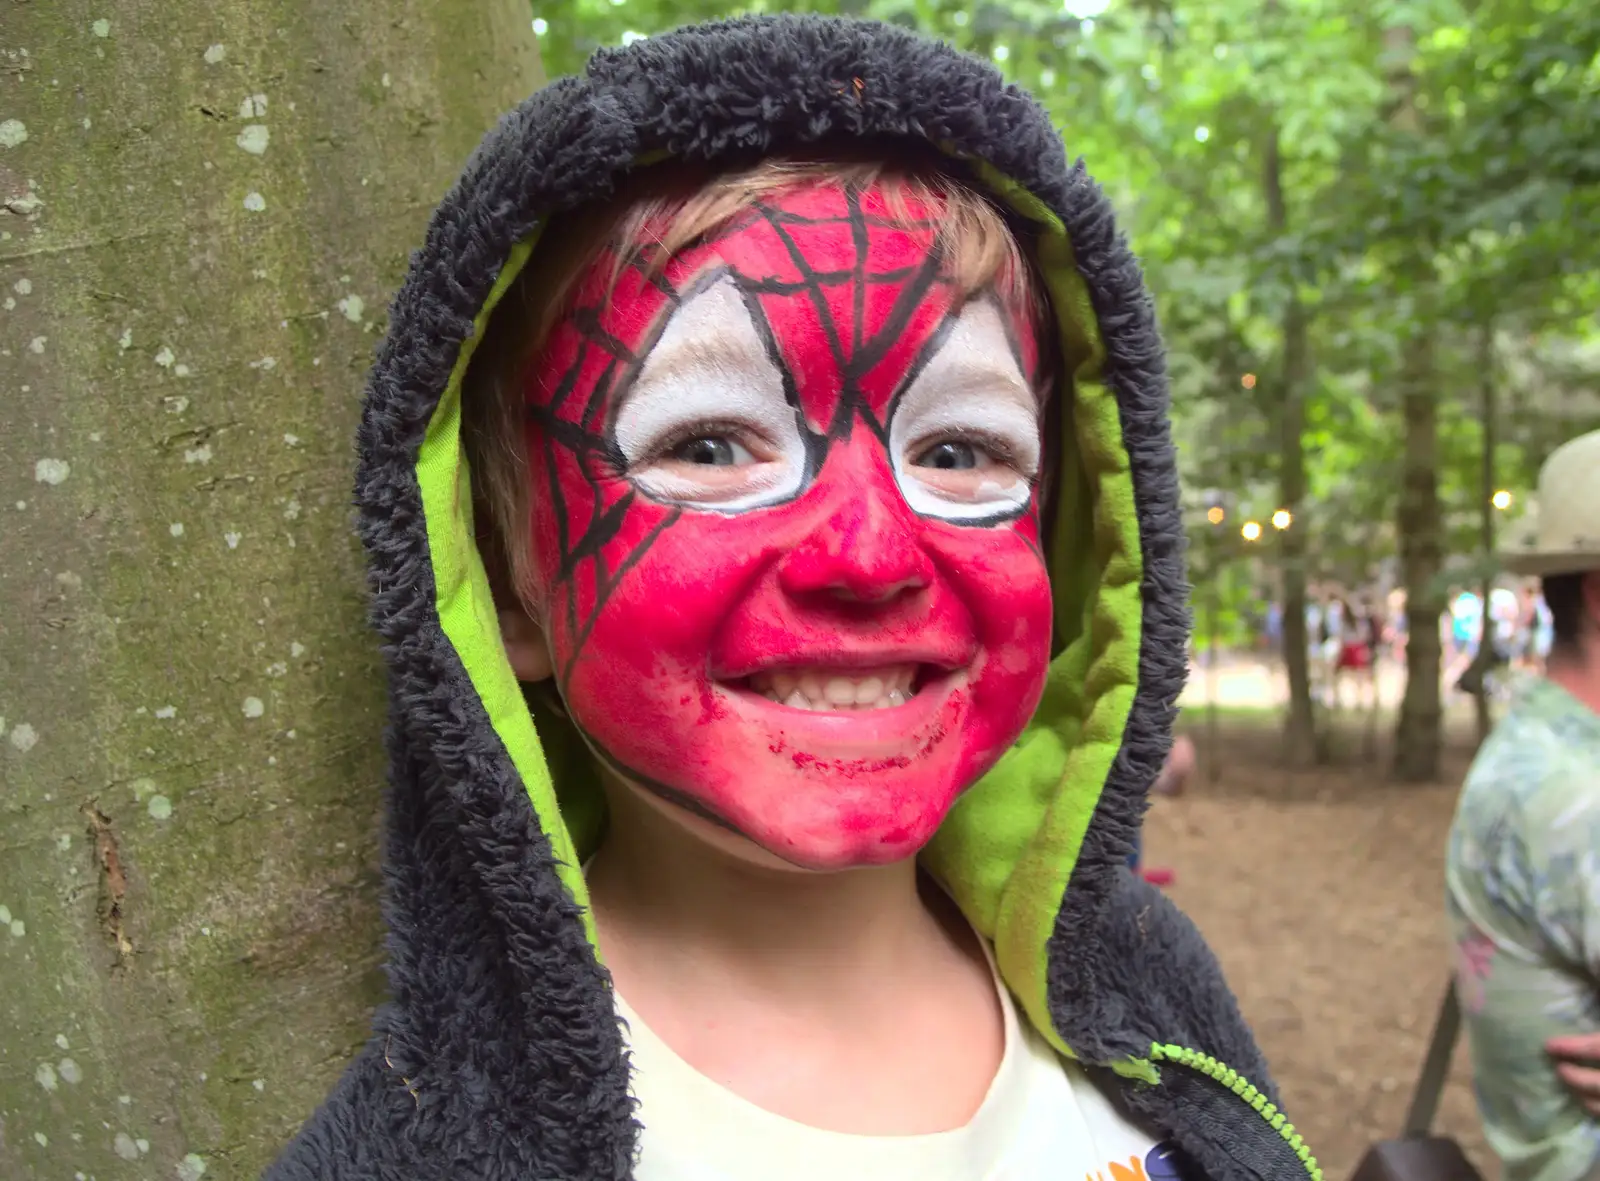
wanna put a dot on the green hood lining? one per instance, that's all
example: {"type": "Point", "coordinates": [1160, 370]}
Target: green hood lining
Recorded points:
{"type": "Point", "coordinates": [1007, 849]}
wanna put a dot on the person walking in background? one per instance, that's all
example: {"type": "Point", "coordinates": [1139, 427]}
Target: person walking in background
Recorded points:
{"type": "Point", "coordinates": [1353, 651]}
{"type": "Point", "coordinates": [1522, 640]}
{"type": "Point", "coordinates": [1272, 629]}
{"type": "Point", "coordinates": [1543, 631]}
{"type": "Point", "coordinates": [1326, 641]}
{"type": "Point", "coordinates": [1398, 624]}
{"type": "Point", "coordinates": [1523, 864]}
{"type": "Point", "coordinates": [1465, 615]}
{"type": "Point", "coordinates": [1273, 652]}
{"type": "Point", "coordinates": [1505, 611]}
{"type": "Point", "coordinates": [1530, 642]}
{"type": "Point", "coordinates": [1314, 636]}
{"type": "Point", "coordinates": [1378, 628]}
{"type": "Point", "coordinates": [1375, 629]}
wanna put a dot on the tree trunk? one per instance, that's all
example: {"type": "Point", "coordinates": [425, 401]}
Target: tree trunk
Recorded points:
{"type": "Point", "coordinates": [1300, 735]}
{"type": "Point", "coordinates": [1418, 729]}
{"type": "Point", "coordinates": [204, 205]}
{"type": "Point", "coordinates": [1487, 410]}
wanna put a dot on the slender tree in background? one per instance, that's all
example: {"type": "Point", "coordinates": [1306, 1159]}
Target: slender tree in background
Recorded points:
{"type": "Point", "coordinates": [1488, 411]}
{"type": "Point", "coordinates": [204, 205]}
{"type": "Point", "coordinates": [1300, 733]}
{"type": "Point", "coordinates": [1419, 526]}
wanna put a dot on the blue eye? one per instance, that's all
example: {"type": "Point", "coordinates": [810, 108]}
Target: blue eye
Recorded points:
{"type": "Point", "coordinates": [711, 451]}
{"type": "Point", "coordinates": [951, 455]}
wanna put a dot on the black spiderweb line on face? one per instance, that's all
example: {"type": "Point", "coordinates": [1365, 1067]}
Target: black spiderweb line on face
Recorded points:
{"type": "Point", "coordinates": [590, 449]}
{"type": "Point", "coordinates": [862, 241]}
{"type": "Point", "coordinates": [606, 582]}
{"type": "Point", "coordinates": [864, 355]}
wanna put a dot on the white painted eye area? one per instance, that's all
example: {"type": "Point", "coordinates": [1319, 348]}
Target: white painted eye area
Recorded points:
{"type": "Point", "coordinates": [965, 435]}
{"type": "Point", "coordinates": [706, 424]}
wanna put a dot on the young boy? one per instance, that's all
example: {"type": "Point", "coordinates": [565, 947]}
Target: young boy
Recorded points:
{"type": "Point", "coordinates": [775, 542]}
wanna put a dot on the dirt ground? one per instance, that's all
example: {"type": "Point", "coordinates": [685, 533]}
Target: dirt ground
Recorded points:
{"type": "Point", "coordinates": [1322, 895]}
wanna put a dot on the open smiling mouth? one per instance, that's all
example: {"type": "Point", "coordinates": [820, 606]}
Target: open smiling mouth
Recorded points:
{"type": "Point", "coordinates": [824, 690]}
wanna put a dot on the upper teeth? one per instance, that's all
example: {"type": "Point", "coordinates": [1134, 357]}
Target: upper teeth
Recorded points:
{"type": "Point", "coordinates": [879, 688]}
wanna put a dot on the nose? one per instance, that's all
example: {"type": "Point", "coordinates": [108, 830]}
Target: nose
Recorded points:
{"type": "Point", "coordinates": [864, 551]}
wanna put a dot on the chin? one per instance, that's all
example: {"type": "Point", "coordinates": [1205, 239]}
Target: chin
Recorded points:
{"type": "Point", "coordinates": [791, 833]}
{"type": "Point", "coordinates": [836, 856]}
{"type": "Point", "coordinates": [850, 841]}
{"type": "Point", "coordinates": [823, 855]}
{"type": "Point", "coordinates": [794, 825]}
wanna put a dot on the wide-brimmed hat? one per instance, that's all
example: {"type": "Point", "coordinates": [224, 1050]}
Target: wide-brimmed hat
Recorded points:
{"type": "Point", "coordinates": [1563, 535]}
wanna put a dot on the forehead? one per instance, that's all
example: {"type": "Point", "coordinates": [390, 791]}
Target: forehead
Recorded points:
{"type": "Point", "coordinates": [845, 286]}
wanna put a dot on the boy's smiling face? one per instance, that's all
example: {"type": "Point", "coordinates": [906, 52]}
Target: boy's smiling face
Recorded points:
{"type": "Point", "coordinates": [786, 526]}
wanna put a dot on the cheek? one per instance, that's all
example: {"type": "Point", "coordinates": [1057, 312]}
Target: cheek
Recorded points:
{"type": "Point", "coordinates": [650, 599]}
{"type": "Point", "coordinates": [634, 664]}
{"type": "Point", "coordinates": [593, 540]}
{"type": "Point", "coordinates": [1004, 582]}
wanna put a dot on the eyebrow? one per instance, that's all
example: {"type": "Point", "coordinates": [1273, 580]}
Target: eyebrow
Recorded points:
{"type": "Point", "coordinates": [992, 374]}
{"type": "Point", "coordinates": [1042, 382]}
{"type": "Point", "coordinates": [691, 361]}
{"type": "Point", "coordinates": [989, 374]}
{"type": "Point", "coordinates": [697, 352]}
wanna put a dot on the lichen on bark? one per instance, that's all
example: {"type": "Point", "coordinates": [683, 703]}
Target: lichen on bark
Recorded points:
{"type": "Point", "coordinates": [204, 207]}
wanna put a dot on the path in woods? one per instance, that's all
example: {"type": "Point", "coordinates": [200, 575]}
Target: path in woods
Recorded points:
{"type": "Point", "coordinates": [1321, 893]}
{"type": "Point", "coordinates": [1249, 683]}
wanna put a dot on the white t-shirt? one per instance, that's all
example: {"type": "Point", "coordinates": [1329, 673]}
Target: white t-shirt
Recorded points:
{"type": "Point", "coordinates": [1041, 1118]}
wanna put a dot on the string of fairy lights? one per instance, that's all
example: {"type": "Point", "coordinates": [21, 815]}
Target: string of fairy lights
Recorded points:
{"type": "Point", "coordinates": [1251, 530]}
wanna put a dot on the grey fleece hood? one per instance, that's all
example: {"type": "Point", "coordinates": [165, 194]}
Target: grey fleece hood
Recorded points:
{"type": "Point", "coordinates": [500, 1055]}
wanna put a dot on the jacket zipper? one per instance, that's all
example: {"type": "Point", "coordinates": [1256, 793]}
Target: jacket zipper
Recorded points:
{"type": "Point", "coordinates": [1242, 1087]}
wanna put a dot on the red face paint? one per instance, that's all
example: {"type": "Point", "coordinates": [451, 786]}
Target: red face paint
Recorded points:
{"type": "Point", "coordinates": [794, 464]}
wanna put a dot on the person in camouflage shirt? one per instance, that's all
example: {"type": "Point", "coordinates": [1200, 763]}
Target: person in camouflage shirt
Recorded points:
{"type": "Point", "coordinates": [1523, 867]}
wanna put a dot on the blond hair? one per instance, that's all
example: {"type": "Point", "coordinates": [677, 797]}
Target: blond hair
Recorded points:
{"type": "Point", "coordinates": [650, 223]}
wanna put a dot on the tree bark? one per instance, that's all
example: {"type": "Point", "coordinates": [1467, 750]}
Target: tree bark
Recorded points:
{"type": "Point", "coordinates": [1488, 411]}
{"type": "Point", "coordinates": [1300, 734]}
{"type": "Point", "coordinates": [204, 205]}
{"type": "Point", "coordinates": [1418, 729]}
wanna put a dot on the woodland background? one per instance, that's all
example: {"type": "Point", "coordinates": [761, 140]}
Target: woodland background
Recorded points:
{"type": "Point", "coordinates": [1372, 229]}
